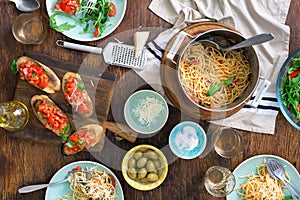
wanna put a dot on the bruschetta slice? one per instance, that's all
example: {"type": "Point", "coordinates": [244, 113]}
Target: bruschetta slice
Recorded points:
{"type": "Point", "coordinates": [38, 74]}
{"type": "Point", "coordinates": [49, 114]}
{"type": "Point", "coordinates": [76, 94]}
{"type": "Point", "coordinates": [85, 137]}
{"type": "Point", "coordinates": [68, 6]}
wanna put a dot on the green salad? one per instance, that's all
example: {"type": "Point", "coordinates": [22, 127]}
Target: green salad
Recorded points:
{"type": "Point", "coordinates": [94, 22]}
{"type": "Point", "coordinates": [290, 91]}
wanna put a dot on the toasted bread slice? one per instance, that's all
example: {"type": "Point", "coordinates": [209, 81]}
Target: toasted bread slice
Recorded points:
{"type": "Point", "coordinates": [53, 82]}
{"type": "Point", "coordinates": [85, 137]}
{"type": "Point", "coordinates": [76, 94]}
{"type": "Point", "coordinates": [49, 114]}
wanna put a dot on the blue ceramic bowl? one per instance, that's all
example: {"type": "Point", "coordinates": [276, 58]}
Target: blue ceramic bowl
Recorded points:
{"type": "Point", "coordinates": [143, 117]}
{"type": "Point", "coordinates": [281, 75]}
{"type": "Point", "coordinates": [187, 140]}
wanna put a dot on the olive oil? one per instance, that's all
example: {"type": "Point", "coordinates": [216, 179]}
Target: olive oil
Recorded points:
{"type": "Point", "coordinates": [13, 115]}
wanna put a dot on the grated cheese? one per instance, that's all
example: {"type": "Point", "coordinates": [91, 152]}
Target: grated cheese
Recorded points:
{"type": "Point", "coordinates": [148, 110]}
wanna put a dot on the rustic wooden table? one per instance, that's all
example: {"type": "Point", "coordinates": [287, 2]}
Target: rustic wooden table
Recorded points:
{"type": "Point", "coordinates": [25, 162]}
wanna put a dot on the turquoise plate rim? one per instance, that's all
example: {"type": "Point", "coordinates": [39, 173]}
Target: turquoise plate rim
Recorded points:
{"type": "Point", "coordinates": [249, 165]}
{"type": "Point", "coordinates": [113, 22]}
{"type": "Point", "coordinates": [54, 192]}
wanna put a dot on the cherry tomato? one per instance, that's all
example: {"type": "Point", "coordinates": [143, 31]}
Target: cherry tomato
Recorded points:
{"type": "Point", "coordinates": [96, 31]}
{"type": "Point", "coordinates": [113, 10]}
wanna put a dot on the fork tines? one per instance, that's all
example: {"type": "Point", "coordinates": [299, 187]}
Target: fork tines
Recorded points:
{"type": "Point", "coordinates": [90, 4]}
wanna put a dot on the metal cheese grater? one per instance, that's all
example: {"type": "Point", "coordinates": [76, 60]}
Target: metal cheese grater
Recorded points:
{"type": "Point", "coordinates": [113, 53]}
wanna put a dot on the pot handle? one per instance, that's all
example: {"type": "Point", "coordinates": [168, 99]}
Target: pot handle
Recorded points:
{"type": "Point", "coordinates": [259, 95]}
{"type": "Point", "coordinates": [178, 41]}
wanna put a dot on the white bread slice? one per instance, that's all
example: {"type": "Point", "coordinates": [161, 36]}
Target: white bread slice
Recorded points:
{"type": "Point", "coordinates": [140, 39]}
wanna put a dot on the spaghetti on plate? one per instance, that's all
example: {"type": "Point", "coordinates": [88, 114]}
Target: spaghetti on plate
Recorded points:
{"type": "Point", "coordinates": [101, 186]}
{"type": "Point", "coordinates": [261, 186]}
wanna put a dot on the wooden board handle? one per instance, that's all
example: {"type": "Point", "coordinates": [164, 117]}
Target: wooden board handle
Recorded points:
{"type": "Point", "coordinates": [121, 130]}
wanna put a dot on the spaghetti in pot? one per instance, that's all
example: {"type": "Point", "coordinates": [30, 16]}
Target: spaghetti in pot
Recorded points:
{"type": "Point", "coordinates": [202, 68]}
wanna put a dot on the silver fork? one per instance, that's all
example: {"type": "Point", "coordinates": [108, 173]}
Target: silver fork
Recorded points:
{"type": "Point", "coordinates": [90, 4]}
{"type": "Point", "coordinates": [277, 171]}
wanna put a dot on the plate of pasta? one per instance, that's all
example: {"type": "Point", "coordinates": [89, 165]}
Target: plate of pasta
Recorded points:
{"type": "Point", "coordinates": [253, 180]}
{"type": "Point", "coordinates": [103, 184]}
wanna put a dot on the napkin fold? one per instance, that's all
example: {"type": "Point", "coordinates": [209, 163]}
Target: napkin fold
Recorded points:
{"type": "Point", "coordinates": [250, 17]}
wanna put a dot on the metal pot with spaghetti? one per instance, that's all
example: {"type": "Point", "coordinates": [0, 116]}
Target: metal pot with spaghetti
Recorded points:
{"type": "Point", "coordinates": [218, 82]}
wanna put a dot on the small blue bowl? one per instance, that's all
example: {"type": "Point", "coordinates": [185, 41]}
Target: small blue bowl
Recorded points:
{"type": "Point", "coordinates": [187, 140]}
{"type": "Point", "coordinates": [135, 119]}
{"type": "Point", "coordinates": [281, 75]}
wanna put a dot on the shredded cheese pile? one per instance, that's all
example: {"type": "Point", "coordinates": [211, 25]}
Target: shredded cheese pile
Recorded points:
{"type": "Point", "coordinates": [148, 110]}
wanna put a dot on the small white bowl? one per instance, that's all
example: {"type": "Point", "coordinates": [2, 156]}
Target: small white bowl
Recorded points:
{"type": "Point", "coordinates": [146, 118]}
{"type": "Point", "coordinates": [187, 140]}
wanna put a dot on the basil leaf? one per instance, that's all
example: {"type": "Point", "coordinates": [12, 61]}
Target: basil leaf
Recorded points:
{"type": "Point", "coordinates": [80, 86]}
{"type": "Point", "coordinates": [64, 134]}
{"type": "Point", "coordinates": [80, 142]}
{"type": "Point", "coordinates": [13, 66]}
{"type": "Point", "coordinates": [228, 81]}
{"type": "Point", "coordinates": [213, 89]}
{"type": "Point", "coordinates": [70, 144]}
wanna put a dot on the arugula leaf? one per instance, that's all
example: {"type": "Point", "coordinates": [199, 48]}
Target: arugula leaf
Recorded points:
{"type": "Point", "coordinates": [62, 27]}
{"type": "Point", "coordinates": [64, 134]}
{"type": "Point", "coordinates": [13, 66]}
{"type": "Point", "coordinates": [97, 18]}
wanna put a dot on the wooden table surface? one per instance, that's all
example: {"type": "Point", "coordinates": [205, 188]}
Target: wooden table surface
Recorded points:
{"type": "Point", "coordinates": [24, 162]}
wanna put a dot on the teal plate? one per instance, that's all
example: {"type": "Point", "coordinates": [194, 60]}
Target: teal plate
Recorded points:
{"type": "Point", "coordinates": [249, 167]}
{"type": "Point", "coordinates": [74, 33]}
{"type": "Point", "coordinates": [57, 191]}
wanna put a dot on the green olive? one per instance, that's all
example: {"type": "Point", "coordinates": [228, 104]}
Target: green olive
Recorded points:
{"type": "Point", "coordinates": [141, 162]}
{"type": "Point", "coordinates": [150, 166]}
{"type": "Point", "coordinates": [157, 164]}
{"type": "Point", "coordinates": [131, 173]}
{"type": "Point", "coordinates": [131, 162]}
{"type": "Point", "coordinates": [152, 177]}
{"type": "Point", "coordinates": [142, 173]}
{"type": "Point", "coordinates": [143, 180]}
{"type": "Point", "coordinates": [151, 154]}
{"type": "Point", "coordinates": [138, 154]}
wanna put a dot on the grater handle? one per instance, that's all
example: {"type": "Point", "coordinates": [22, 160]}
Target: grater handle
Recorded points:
{"type": "Point", "coordinates": [80, 47]}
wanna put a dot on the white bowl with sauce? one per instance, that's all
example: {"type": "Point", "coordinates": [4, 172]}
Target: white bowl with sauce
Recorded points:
{"type": "Point", "coordinates": [187, 140]}
{"type": "Point", "coordinates": [146, 112]}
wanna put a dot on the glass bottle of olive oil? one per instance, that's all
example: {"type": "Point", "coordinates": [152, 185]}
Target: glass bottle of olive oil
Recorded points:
{"type": "Point", "coordinates": [13, 115]}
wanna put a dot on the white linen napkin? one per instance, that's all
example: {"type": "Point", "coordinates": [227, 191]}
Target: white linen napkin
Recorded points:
{"type": "Point", "coordinates": [250, 17]}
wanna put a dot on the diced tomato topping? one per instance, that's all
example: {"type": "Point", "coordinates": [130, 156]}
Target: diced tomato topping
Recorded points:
{"type": "Point", "coordinates": [55, 118]}
{"type": "Point", "coordinates": [76, 96]}
{"type": "Point", "coordinates": [68, 6]}
{"type": "Point", "coordinates": [35, 75]}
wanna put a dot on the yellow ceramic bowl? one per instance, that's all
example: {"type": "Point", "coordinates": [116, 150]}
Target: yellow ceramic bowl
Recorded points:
{"type": "Point", "coordinates": [143, 184]}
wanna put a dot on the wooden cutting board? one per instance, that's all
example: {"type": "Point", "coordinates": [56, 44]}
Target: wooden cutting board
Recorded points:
{"type": "Point", "coordinates": [100, 86]}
